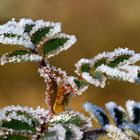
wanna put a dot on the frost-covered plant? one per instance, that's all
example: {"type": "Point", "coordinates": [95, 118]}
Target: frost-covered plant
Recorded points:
{"type": "Point", "coordinates": [40, 40]}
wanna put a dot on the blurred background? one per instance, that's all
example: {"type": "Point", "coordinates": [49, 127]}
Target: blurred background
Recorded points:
{"type": "Point", "coordinates": [99, 25]}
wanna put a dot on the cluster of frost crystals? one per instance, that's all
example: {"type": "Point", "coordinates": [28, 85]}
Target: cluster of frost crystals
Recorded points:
{"type": "Point", "coordinates": [116, 133]}
{"type": "Point", "coordinates": [77, 134]}
{"type": "Point", "coordinates": [19, 58]}
{"type": "Point", "coordinates": [71, 39]}
{"type": "Point", "coordinates": [130, 106]}
{"type": "Point", "coordinates": [17, 40]}
{"type": "Point", "coordinates": [80, 90]}
{"type": "Point", "coordinates": [59, 131]}
{"type": "Point", "coordinates": [18, 37]}
{"type": "Point", "coordinates": [95, 82]}
{"type": "Point", "coordinates": [39, 114]}
{"type": "Point", "coordinates": [79, 64]}
{"type": "Point", "coordinates": [122, 71]}
{"type": "Point", "coordinates": [117, 73]}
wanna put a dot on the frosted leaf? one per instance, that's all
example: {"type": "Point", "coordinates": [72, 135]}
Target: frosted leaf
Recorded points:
{"type": "Point", "coordinates": [115, 73]}
{"type": "Point", "coordinates": [26, 32]}
{"type": "Point", "coordinates": [18, 122]}
{"type": "Point", "coordinates": [13, 33]}
{"type": "Point", "coordinates": [117, 113]}
{"type": "Point", "coordinates": [42, 29]}
{"type": "Point", "coordinates": [83, 65]}
{"type": "Point", "coordinates": [132, 130]}
{"type": "Point", "coordinates": [71, 118]}
{"type": "Point", "coordinates": [96, 113]}
{"type": "Point", "coordinates": [19, 56]}
{"type": "Point", "coordinates": [58, 43]}
{"type": "Point", "coordinates": [98, 80]}
{"type": "Point", "coordinates": [110, 65]}
{"type": "Point", "coordinates": [13, 39]}
{"type": "Point", "coordinates": [133, 109]}
{"type": "Point", "coordinates": [23, 114]}
{"type": "Point", "coordinates": [79, 85]}
{"type": "Point", "coordinates": [36, 34]}
{"type": "Point", "coordinates": [116, 133]}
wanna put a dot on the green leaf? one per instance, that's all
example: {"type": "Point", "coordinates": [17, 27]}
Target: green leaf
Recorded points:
{"type": "Point", "coordinates": [85, 68]}
{"type": "Point", "coordinates": [119, 115]}
{"type": "Point", "coordinates": [26, 115]}
{"type": "Point", "coordinates": [69, 133]}
{"type": "Point", "coordinates": [100, 62]}
{"type": "Point", "coordinates": [80, 83]}
{"type": "Point", "coordinates": [37, 36]}
{"type": "Point", "coordinates": [19, 52]}
{"type": "Point", "coordinates": [8, 35]}
{"type": "Point", "coordinates": [53, 45]}
{"type": "Point", "coordinates": [18, 125]}
{"type": "Point", "coordinates": [28, 28]}
{"type": "Point", "coordinates": [118, 60]}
